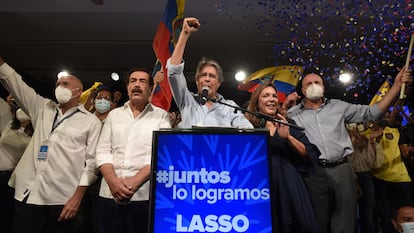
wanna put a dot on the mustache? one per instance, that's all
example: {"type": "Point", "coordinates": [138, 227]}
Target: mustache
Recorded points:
{"type": "Point", "coordinates": [136, 90]}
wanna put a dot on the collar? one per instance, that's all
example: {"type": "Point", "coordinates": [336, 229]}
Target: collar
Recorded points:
{"type": "Point", "coordinates": [147, 107]}
{"type": "Point", "coordinates": [324, 102]}
{"type": "Point", "coordinates": [80, 107]}
{"type": "Point", "coordinates": [197, 96]}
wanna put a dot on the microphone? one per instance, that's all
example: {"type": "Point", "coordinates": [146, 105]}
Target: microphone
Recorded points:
{"type": "Point", "coordinates": [263, 117]}
{"type": "Point", "coordinates": [204, 94]}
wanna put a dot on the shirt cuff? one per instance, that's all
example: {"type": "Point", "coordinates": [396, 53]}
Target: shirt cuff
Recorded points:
{"type": "Point", "coordinates": [103, 159]}
{"type": "Point", "coordinates": [175, 68]}
{"type": "Point", "coordinates": [87, 179]}
{"type": "Point", "coordinates": [6, 70]}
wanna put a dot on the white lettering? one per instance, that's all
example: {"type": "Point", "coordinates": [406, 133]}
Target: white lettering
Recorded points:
{"type": "Point", "coordinates": [244, 223]}
{"type": "Point", "coordinates": [225, 224]}
{"type": "Point", "coordinates": [196, 224]}
{"type": "Point", "coordinates": [179, 224]}
{"type": "Point", "coordinates": [180, 193]}
{"type": "Point", "coordinates": [213, 223]}
{"type": "Point", "coordinates": [171, 177]}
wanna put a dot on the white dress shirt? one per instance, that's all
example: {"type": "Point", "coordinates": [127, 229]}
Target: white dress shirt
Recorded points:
{"type": "Point", "coordinates": [126, 143]}
{"type": "Point", "coordinates": [13, 142]}
{"type": "Point", "coordinates": [5, 115]}
{"type": "Point", "coordinates": [71, 147]}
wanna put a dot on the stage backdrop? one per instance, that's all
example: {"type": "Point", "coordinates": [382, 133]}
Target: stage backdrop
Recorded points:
{"type": "Point", "coordinates": [210, 180]}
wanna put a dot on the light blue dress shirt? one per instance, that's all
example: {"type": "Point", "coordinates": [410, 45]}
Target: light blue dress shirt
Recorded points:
{"type": "Point", "coordinates": [195, 114]}
{"type": "Point", "coordinates": [325, 127]}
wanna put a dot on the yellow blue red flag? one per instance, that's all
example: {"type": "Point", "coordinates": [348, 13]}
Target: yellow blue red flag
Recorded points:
{"type": "Point", "coordinates": [164, 42]}
{"type": "Point", "coordinates": [285, 78]}
{"type": "Point", "coordinates": [385, 87]}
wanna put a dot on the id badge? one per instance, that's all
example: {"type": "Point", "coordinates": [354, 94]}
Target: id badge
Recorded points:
{"type": "Point", "coordinates": [43, 152]}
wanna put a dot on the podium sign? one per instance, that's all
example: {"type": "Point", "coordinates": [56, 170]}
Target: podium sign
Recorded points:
{"type": "Point", "coordinates": [213, 180]}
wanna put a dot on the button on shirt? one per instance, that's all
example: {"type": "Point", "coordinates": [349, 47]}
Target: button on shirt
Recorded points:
{"type": "Point", "coordinates": [71, 147]}
{"type": "Point", "coordinates": [195, 114]}
{"type": "Point", "coordinates": [126, 143]}
{"type": "Point", "coordinates": [325, 126]}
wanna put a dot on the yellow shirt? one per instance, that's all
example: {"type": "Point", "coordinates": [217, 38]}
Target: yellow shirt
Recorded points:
{"type": "Point", "coordinates": [393, 168]}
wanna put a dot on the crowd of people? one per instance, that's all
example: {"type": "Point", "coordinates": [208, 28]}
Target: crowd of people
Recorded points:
{"type": "Point", "coordinates": [72, 167]}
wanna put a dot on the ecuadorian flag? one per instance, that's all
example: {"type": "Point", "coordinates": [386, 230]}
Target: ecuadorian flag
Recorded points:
{"type": "Point", "coordinates": [385, 87]}
{"type": "Point", "coordinates": [85, 94]}
{"type": "Point", "coordinates": [164, 42]}
{"type": "Point", "coordinates": [285, 78]}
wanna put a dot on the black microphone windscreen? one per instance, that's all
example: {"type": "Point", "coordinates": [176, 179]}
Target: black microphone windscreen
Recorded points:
{"type": "Point", "coordinates": [204, 94]}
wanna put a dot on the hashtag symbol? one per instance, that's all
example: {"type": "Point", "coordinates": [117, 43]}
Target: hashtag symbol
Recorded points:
{"type": "Point", "coordinates": [162, 177]}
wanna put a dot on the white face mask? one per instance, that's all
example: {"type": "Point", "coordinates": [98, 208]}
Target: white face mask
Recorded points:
{"type": "Point", "coordinates": [408, 227]}
{"type": "Point", "coordinates": [102, 105]}
{"type": "Point", "coordinates": [314, 92]}
{"type": "Point", "coordinates": [22, 116]}
{"type": "Point", "coordinates": [63, 95]}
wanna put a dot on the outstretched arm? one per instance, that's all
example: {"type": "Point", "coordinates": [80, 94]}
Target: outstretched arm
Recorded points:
{"type": "Point", "coordinates": [190, 25]}
{"type": "Point", "coordinates": [404, 76]}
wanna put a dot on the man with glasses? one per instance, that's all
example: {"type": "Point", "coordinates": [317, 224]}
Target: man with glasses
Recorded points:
{"type": "Point", "coordinates": [199, 109]}
{"type": "Point", "coordinates": [103, 102]}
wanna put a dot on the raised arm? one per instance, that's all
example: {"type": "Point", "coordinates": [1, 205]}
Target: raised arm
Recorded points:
{"type": "Point", "coordinates": [190, 25]}
{"type": "Point", "coordinates": [404, 76]}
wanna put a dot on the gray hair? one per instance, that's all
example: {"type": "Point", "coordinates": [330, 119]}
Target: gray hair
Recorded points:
{"type": "Point", "coordinates": [209, 62]}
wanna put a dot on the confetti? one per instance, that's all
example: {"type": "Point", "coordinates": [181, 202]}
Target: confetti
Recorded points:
{"type": "Point", "coordinates": [368, 38]}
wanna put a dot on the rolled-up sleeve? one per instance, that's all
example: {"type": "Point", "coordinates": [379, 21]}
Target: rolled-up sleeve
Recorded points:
{"type": "Point", "coordinates": [103, 150]}
{"type": "Point", "coordinates": [178, 83]}
{"type": "Point", "coordinates": [90, 170]}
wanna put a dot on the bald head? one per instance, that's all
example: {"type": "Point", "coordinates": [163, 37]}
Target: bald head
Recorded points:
{"type": "Point", "coordinates": [71, 80]}
{"type": "Point", "coordinates": [310, 78]}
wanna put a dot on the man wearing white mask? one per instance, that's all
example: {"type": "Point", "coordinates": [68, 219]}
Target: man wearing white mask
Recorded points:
{"type": "Point", "coordinates": [403, 217]}
{"type": "Point", "coordinates": [333, 187]}
{"type": "Point", "coordinates": [59, 162]}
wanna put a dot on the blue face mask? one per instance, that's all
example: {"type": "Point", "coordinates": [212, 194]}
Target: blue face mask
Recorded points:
{"type": "Point", "coordinates": [102, 105]}
{"type": "Point", "coordinates": [408, 227]}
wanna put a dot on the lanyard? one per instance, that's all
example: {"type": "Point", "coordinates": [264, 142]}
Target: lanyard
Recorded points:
{"type": "Point", "coordinates": [55, 125]}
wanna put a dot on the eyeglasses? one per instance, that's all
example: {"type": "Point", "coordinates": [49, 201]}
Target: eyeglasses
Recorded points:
{"type": "Point", "coordinates": [205, 74]}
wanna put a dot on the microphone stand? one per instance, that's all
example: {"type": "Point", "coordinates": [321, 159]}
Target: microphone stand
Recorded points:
{"type": "Point", "coordinates": [258, 114]}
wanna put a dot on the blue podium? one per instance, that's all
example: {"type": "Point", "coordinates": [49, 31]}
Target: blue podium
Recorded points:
{"type": "Point", "coordinates": [210, 180]}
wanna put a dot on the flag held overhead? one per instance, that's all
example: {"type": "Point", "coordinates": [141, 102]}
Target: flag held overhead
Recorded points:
{"type": "Point", "coordinates": [385, 87]}
{"type": "Point", "coordinates": [163, 45]}
{"type": "Point", "coordinates": [285, 78]}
